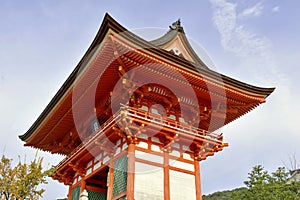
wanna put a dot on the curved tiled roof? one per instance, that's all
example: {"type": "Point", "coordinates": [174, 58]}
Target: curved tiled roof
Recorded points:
{"type": "Point", "coordinates": [178, 31]}
{"type": "Point", "coordinates": [153, 47]}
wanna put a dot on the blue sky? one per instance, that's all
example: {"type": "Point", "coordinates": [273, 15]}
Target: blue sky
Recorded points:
{"type": "Point", "coordinates": [254, 41]}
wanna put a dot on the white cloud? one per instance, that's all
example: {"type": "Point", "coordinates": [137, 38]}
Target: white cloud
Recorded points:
{"type": "Point", "coordinates": [275, 9]}
{"type": "Point", "coordinates": [253, 49]}
{"type": "Point", "coordinates": [235, 37]}
{"type": "Point", "coordinates": [255, 11]}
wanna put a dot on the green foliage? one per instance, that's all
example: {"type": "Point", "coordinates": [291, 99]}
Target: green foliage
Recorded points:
{"type": "Point", "coordinates": [262, 185]}
{"type": "Point", "coordinates": [257, 177]}
{"type": "Point", "coordinates": [22, 181]}
{"type": "Point", "coordinates": [226, 195]}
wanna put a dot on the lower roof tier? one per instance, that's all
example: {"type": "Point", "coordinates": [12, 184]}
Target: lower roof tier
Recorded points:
{"type": "Point", "coordinates": [147, 131]}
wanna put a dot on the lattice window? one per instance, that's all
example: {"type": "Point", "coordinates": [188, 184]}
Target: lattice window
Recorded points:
{"type": "Point", "coordinates": [120, 175]}
{"type": "Point", "coordinates": [96, 195]}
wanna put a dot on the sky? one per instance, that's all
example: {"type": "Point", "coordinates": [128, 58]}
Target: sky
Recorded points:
{"type": "Point", "coordinates": [254, 41]}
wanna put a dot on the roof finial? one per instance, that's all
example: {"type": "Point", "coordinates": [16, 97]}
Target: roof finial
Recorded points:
{"type": "Point", "coordinates": [176, 25]}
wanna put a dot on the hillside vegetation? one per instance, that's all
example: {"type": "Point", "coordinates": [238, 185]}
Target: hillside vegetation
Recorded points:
{"type": "Point", "coordinates": [262, 185]}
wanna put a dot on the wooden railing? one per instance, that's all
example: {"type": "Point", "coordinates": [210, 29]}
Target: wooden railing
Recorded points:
{"type": "Point", "coordinates": [146, 116]}
{"type": "Point", "coordinates": [170, 123]}
{"type": "Point", "coordinates": [91, 138]}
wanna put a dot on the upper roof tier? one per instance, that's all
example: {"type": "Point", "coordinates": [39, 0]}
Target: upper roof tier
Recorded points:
{"type": "Point", "coordinates": [172, 50]}
{"type": "Point", "coordinates": [176, 42]}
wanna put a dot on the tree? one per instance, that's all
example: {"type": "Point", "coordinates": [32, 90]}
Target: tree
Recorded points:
{"type": "Point", "coordinates": [257, 177]}
{"type": "Point", "coordinates": [262, 185]}
{"type": "Point", "coordinates": [23, 180]}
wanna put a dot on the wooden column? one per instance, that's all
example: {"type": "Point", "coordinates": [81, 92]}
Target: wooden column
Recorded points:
{"type": "Point", "coordinates": [166, 177]}
{"type": "Point", "coordinates": [131, 170]}
{"type": "Point", "coordinates": [70, 192]}
{"type": "Point", "coordinates": [110, 185]}
{"type": "Point", "coordinates": [82, 185]}
{"type": "Point", "coordinates": [198, 180]}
